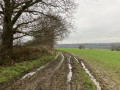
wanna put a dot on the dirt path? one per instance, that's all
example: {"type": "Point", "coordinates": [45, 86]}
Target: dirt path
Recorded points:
{"type": "Point", "coordinates": [64, 73]}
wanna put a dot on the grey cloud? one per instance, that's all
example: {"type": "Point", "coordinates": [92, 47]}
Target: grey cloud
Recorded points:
{"type": "Point", "coordinates": [96, 21]}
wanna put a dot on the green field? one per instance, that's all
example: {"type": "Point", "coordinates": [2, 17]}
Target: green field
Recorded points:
{"type": "Point", "coordinates": [108, 62]}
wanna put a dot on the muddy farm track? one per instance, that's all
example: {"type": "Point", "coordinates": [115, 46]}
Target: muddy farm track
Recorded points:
{"type": "Point", "coordinates": [64, 73]}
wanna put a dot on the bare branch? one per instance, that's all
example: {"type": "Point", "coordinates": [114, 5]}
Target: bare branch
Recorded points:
{"type": "Point", "coordinates": [21, 11]}
{"type": "Point", "coordinates": [1, 12]}
{"type": "Point", "coordinates": [19, 37]}
{"type": "Point", "coordinates": [21, 24]}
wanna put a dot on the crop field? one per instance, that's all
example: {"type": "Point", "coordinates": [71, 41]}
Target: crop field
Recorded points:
{"type": "Point", "coordinates": [104, 64]}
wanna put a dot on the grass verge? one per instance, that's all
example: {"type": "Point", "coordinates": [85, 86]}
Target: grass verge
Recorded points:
{"type": "Point", "coordinates": [10, 72]}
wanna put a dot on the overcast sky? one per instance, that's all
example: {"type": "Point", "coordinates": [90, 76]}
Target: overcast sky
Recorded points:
{"type": "Point", "coordinates": [96, 21]}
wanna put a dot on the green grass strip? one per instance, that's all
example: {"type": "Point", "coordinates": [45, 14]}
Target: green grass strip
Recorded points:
{"type": "Point", "coordinates": [8, 73]}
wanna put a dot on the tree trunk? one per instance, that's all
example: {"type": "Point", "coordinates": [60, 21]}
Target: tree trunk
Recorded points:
{"type": "Point", "coordinates": [7, 37]}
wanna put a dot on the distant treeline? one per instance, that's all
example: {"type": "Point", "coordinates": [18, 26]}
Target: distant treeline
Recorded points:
{"type": "Point", "coordinates": [115, 48]}
{"type": "Point", "coordinates": [90, 45]}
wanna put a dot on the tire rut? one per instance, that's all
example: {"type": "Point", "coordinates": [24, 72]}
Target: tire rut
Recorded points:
{"type": "Point", "coordinates": [40, 79]}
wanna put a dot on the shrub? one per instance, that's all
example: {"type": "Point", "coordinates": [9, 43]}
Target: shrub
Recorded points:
{"type": "Point", "coordinates": [23, 53]}
{"type": "Point", "coordinates": [81, 46]}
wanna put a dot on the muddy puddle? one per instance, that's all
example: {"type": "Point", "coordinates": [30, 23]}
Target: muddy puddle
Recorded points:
{"type": "Point", "coordinates": [28, 75]}
{"type": "Point", "coordinates": [41, 67]}
{"type": "Point", "coordinates": [76, 59]}
{"type": "Point", "coordinates": [60, 62]}
{"type": "Point", "coordinates": [69, 77]}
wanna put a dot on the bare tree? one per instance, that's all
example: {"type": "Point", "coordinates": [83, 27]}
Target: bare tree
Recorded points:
{"type": "Point", "coordinates": [18, 16]}
{"type": "Point", "coordinates": [49, 29]}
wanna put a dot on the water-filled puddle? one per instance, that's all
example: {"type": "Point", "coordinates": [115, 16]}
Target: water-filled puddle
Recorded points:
{"type": "Point", "coordinates": [41, 68]}
{"type": "Point", "coordinates": [32, 73]}
{"type": "Point", "coordinates": [70, 74]}
{"type": "Point", "coordinates": [69, 77]}
{"type": "Point", "coordinates": [60, 62]}
{"type": "Point", "coordinates": [28, 75]}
